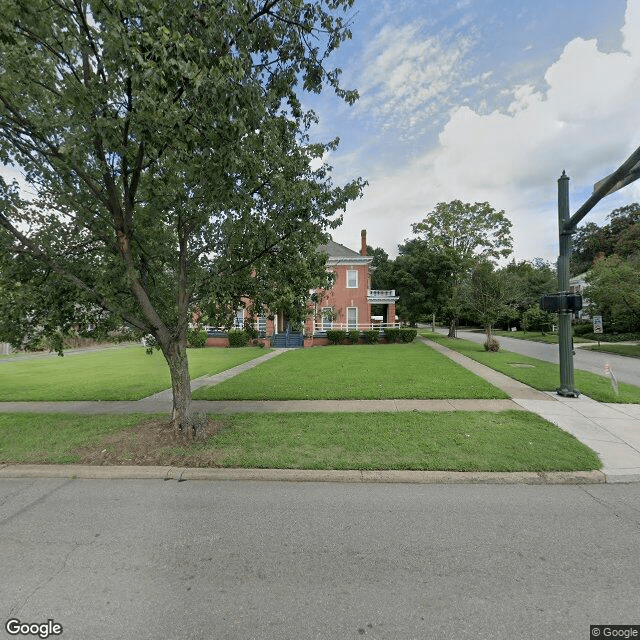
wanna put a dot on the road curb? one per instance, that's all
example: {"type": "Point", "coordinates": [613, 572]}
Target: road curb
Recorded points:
{"type": "Point", "coordinates": [182, 474]}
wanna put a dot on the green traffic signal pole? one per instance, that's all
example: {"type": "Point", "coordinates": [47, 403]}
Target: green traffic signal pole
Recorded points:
{"type": "Point", "coordinates": [567, 387]}
{"type": "Point", "coordinates": [625, 174]}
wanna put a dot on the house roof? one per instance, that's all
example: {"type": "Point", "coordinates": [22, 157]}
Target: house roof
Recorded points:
{"type": "Point", "coordinates": [339, 253]}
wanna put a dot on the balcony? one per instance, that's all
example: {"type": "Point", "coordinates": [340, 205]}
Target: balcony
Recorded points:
{"type": "Point", "coordinates": [381, 296]}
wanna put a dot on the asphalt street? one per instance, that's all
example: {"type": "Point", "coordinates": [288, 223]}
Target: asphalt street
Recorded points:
{"type": "Point", "coordinates": [149, 559]}
{"type": "Point", "coordinates": [625, 369]}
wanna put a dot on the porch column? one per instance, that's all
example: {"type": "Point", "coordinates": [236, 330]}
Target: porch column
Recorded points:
{"type": "Point", "coordinates": [391, 313]}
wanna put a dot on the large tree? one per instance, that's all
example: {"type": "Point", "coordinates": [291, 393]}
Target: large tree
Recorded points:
{"type": "Point", "coordinates": [620, 236]}
{"type": "Point", "coordinates": [168, 159]}
{"type": "Point", "coordinates": [466, 234]}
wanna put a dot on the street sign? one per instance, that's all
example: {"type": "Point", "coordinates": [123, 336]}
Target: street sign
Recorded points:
{"type": "Point", "coordinates": [597, 324]}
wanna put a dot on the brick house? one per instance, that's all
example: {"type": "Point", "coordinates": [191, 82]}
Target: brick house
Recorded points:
{"type": "Point", "coordinates": [347, 305]}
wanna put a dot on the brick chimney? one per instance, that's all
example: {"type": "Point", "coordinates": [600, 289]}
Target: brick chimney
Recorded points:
{"type": "Point", "coordinates": [363, 245]}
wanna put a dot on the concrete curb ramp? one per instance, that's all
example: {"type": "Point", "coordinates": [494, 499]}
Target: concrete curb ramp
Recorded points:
{"type": "Point", "coordinates": [295, 475]}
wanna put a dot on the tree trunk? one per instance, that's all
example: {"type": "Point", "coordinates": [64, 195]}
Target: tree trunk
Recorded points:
{"type": "Point", "coordinates": [488, 331]}
{"type": "Point", "coordinates": [452, 329]}
{"type": "Point", "coordinates": [175, 354]}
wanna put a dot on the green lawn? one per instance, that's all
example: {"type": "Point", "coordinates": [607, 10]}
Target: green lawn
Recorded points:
{"type": "Point", "coordinates": [127, 373]}
{"type": "Point", "coordinates": [456, 441]}
{"type": "Point", "coordinates": [547, 338]}
{"type": "Point", "coordinates": [631, 350]}
{"type": "Point", "coordinates": [354, 372]}
{"type": "Point", "coordinates": [541, 375]}
{"type": "Point", "coordinates": [51, 438]}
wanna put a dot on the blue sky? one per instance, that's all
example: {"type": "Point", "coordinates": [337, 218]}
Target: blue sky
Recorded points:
{"type": "Point", "coordinates": [483, 100]}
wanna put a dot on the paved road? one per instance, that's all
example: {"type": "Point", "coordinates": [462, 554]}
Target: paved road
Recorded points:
{"type": "Point", "coordinates": [149, 559]}
{"type": "Point", "coordinates": [625, 369]}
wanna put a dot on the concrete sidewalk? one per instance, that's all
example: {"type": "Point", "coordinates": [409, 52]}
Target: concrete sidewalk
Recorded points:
{"type": "Point", "coordinates": [611, 430]}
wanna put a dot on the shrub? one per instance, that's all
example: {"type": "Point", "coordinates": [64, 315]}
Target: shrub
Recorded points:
{"type": "Point", "coordinates": [392, 335]}
{"type": "Point", "coordinates": [491, 345]}
{"type": "Point", "coordinates": [336, 336]}
{"type": "Point", "coordinates": [238, 338]}
{"type": "Point", "coordinates": [353, 336]}
{"type": "Point", "coordinates": [582, 328]}
{"type": "Point", "coordinates": [371, 336]}
{"type": "Point", "coordinates": [407, 334]}
{"type": "Point", "coordinates": [196, 338]}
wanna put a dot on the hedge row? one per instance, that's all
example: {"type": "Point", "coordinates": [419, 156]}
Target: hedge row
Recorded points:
{"type": "Point", "coordinates": [372, 336]}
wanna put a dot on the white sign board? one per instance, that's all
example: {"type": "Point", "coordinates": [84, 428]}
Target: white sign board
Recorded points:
{"type": "Point", "coordinates": [597, 324]}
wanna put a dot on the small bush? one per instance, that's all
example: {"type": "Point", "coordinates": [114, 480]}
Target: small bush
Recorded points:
{"type": "Point", "coordinates": [353, 336]}
{"type": "Point", "coordinates": [372, 336]}
{"type": "Point", "coordinates": [196, 338]}
{"type": "Point", "coordinates": [582, 328]}
{"type": "Point", "coordinates": [238, 338]}
{"type": "Point", "coordinates": [336, 336]}
{"type": "Point", "coordinates": [491, 345]}
{"type": "Point", "coordinates": [392, 334]}
{"type": "Point", "coordinates": [407, 334]}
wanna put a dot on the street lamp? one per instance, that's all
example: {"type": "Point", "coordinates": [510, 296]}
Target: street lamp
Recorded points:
{"type": "Point", "coordinates": [625, 174]}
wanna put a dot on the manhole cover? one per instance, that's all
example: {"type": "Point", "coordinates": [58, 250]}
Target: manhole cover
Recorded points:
{"type": "Point", "coordinates": [522, 365]}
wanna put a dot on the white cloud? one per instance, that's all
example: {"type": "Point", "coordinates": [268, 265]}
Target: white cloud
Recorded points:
{"type": "Point", "coordinates": [585, 120]}
{"type": "Point", "coordinates": [407, 77]}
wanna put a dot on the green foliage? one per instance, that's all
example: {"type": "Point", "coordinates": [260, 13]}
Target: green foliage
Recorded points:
{"type": "Point", "coordinates": [196, 338]}
{"type": "Point", "coordinates": [353, 335]}
{"type": "Point", "coordinates": [582, 328]}
{"type": "Point", "coordinates": [336, 336]}
{"type": "Point", "coordinates": [620, 236]}
{"type": "Point", "coordinates": [371, 336]}
{"type": "Point", "coordinates": [407, 334]}
{"type": "Point", "coordinates": [463, 235]}
{"type": "Point", "coordinates": [535, 319]}
{"type": "Point", "coordinates": [391, 334]}
{"type": "Point", "coordinates": [238, 338]}
{"type": "Point", "coordinates": [171, 160]}
{"type": "Point", "coordinates": [614, 290]}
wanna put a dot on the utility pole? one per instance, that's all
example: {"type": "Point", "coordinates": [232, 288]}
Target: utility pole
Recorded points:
{"type": "Point", "coordinates": [563, 302]}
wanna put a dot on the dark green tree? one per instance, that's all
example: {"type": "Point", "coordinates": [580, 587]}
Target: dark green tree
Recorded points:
{"type": "Point", "coordinates": [464, 234]}
{"type": "Point", "coordinates": [170, 158]}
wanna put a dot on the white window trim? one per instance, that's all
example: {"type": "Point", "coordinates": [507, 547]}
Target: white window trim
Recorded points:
{"type": "Point", "coordinates": [356, 284]}
{"type": "Point", "coordinates": [349, 324]}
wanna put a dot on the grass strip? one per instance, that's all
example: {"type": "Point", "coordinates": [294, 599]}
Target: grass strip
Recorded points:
{"type": "Point", "coordinates": [547, 338]}
{"type": "Point", "coordinates": [630, 350]}
{"type": "Point", "coordinates": [50, 438]}
{"type": "Point", "coordinates": [446, 441]}
{"type": "Point", "coordinates": [126, 373]}
{"type": "Point", "coordinates": [351, 372]}
{"type": "Point", "coordinates": [541, 375]}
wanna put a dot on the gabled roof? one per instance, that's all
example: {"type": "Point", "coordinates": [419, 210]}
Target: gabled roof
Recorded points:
{"type": "Point", "coordinates": [338, 253]}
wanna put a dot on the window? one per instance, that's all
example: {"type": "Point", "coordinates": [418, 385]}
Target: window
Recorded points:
{"type": "Point", "coordinates": [352, 279]}
{"type": "Point", "coordinates": [238, 320]}
{"type": "Point", "coordinates": [352, 317]}
{"type": "Point", "coordinates": [261, 325]}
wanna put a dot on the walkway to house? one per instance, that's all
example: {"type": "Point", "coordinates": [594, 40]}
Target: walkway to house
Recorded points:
{"type": "Point", "coordinates": [611, 430]}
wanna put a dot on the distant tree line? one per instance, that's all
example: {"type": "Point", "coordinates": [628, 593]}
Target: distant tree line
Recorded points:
{"type": "Point", "coordinates": [449, 268]}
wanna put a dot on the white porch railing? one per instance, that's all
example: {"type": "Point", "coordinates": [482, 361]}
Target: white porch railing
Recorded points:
{"type": "Point", "coordinates": [346, 326]}
{"type": "Point", "coordinates": [381, 293]}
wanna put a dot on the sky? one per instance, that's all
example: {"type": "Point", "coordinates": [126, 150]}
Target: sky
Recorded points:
{"type": "Point", "coordinates": [483, 100]}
